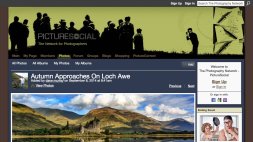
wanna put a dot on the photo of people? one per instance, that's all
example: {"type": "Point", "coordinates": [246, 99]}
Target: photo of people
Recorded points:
{"type": "Point", "coordinates": [229, 133]}
{"type": "Point", "coordinates": [207, 133]}
{"type": "Point", "coordinates": [186, 32]}
{"type": "Point", "coordinates": [219, 128]}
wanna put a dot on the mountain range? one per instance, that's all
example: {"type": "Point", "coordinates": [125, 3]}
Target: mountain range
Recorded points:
{"type": "Point", "coordinates": [26, 118]}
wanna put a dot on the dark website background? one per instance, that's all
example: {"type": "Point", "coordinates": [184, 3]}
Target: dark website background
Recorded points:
{"type": "Point", "coordinates": [128, 64]}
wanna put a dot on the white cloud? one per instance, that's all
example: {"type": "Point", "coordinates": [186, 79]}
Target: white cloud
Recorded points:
{"type": "Point", "coordinates": [120, 101]}
{"type": "Point", "coordinates": [171, 110]}
{"type": "Point", "coordinates": [104, 99]}
{"type": "Point", "coordinates": [83, 100]}
{"type": "Point", "coordinates": [58, 106]}
{"type": "Point", "coordinates": [190, 119]}
{"type": "Point", "coordinates": [183, 102]}
{"type": "Point", "coordinates": [155, 114]}
{"type": "Point", "coordinates": [165, 113]}
{"type": "Point", "coordinates": [149, 109]}
{"type": "Point", "coordinates": [162, 118]}
{"type": "Point", "coordinates": [19, 96]}
{"type": "Point", "coordinates": [25, 75]}
{"type": "Point", "coordinates": [35, 102]}
{"type": "Point", "coordinates": [29, 100]}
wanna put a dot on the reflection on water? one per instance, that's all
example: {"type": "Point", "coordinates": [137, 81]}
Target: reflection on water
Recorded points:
{"type": "Point", "coordinates": [105, 140]}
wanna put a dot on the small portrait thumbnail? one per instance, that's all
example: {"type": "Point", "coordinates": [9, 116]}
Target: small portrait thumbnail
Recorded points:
{"type": "Point", "coordinates": [19, 80]}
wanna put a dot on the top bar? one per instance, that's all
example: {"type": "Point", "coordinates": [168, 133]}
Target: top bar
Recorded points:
{"type": "Point", "coordinates": [113, 3]}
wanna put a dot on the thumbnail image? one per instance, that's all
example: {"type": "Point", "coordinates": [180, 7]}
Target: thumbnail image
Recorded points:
{"type": "Point", "coordinates": [19, 80]}
{"type": "Point", "coordinates": [140, 32]}
{"type": "Point", "coordinates": [103, 117]}
{"type": "Point", "coordinates": [219, 128]}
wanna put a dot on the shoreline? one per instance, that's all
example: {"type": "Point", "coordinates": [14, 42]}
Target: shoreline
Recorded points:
{"type": "Point", "coordinates": [107, 136]}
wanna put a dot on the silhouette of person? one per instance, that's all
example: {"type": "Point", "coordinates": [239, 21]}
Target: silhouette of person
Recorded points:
{"type": "Point", "coordinates": [107, 28]}
{"type": "Point", "coordinates": [95, 43]}
{"type": "Point", "coordinates": [112, 37]}
{"type": "Point", "coordinates": [36, 25]}
{"type": "Point", "coordinates": [63, 26]}
{"type": "Point", "coordinates": [24, 35]}
{"type": "Point", "coordinates": [126, 36]}
{"type": "Point", "coordinates": [194, 40]}
{"type": "Point", "coordinates": [45, 25]}
{"type": "Point", "coordinates": [129, 26]}
{"type": "Point", "coordinates": [119, 29]}
{"type": "Point", "coordinates": [86, 28]}
{"type": "Point", "coordinates": [87, 18]}
{"type": "Point", "coordinates": [44, 16]}
{"type": "Point", "coordinates": [56, 28]}
{"type": "Point", "coordinates": [104, 35]}
{"type": "Point", "coordinates": [72, 28]}
{"type": "Point", "coordinates": [15, 33]}
{"type": "Point", "coordinates": [138, 41]}
{"type": "Point", "coordinates": [95, 31]}
{"type": "Point", "coordinates": [121, 22]}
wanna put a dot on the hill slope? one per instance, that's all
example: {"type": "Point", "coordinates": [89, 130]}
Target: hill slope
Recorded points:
{"type": "Point", "coordinates": [26, 118]}
{"type": "Point", "coordinates": [178, 124]}
{"type": "Point", "coordinates": [121, 119]}
{"type": "Point", "coordinates": [58, 116]}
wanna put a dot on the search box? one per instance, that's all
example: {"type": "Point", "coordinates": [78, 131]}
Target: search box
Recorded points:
{"type": "Point", "coordinates": [220, 3]}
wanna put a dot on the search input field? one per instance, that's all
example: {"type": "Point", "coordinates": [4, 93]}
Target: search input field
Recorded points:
{"type": "Point", "coordinates": [220, 3]}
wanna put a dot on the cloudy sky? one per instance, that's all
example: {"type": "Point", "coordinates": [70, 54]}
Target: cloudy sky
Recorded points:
{"type": "Point", "coordinates": [25, 75]}
{"type": "Point", "coordinates": [162, 107]}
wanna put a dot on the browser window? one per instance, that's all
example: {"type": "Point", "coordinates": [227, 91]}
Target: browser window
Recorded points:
{"type": "Point", "coordinates": [126, 71]}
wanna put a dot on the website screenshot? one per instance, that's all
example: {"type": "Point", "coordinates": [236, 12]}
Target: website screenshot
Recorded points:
{"type": "Point", "coordinates": [165, 71]}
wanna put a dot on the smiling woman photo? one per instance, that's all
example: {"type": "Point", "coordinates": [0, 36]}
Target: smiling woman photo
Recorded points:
{"type": "Point", "coordinates": [207, 133]}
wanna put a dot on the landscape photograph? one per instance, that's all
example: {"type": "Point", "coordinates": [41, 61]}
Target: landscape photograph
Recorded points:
{"type": "Point", "coordinates": [19, 80]}
{"type": "Point", "coordinates": [102, 117]}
